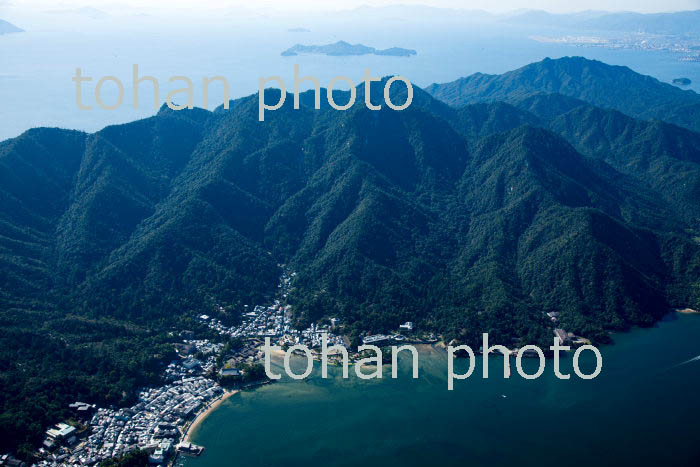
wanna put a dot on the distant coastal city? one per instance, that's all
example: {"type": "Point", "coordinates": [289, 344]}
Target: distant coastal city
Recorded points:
{"type": "Point", "coordinates": [687, 48]}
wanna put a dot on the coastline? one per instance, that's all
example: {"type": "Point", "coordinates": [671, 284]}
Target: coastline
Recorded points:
{"type": "Point", "coordinates": [324, 400]}
{"type": "Point", "coordinates": [192, 427]}
{"type": "Point", "coordinates": [688, 311]}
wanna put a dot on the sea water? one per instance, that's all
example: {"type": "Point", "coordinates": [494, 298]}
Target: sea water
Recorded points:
{"type": "Point", "coordinates": [37, 65]}
{"type": "Point", "coordinates": [642, 410]}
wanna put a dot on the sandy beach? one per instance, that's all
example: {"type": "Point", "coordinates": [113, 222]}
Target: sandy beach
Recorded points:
{"type": "Point", "coordinates": [203, 415]}
{"type": "Point", "coordinates": [688, 311]}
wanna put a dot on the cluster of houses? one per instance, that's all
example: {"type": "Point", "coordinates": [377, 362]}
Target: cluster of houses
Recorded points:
{"type": "Point", "coordinates": [191, 366]}
{"type": "Point", "coordinates": [11, 461]}
{"type": "Point", "coordinates": [388, 339]}
{"type": "Point", "coordinates": [262, 321]}
{"type": "Point", "coordinates": [312, 336]}
{"type": "Point", "coordinates": [160, 418]}
{"type": "Point", "coordinates": [275, 321]}
{"type": "Point", "coordinates": [563, 336]}
{"type": "Point", "coordinates": [156, 424]}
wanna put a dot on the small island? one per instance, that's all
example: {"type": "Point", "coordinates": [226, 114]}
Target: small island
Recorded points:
{"type": "Point", "coordinates": [682, 82]}
{"type": "Point", "coordinates": [342, 48]}
{"type": "Point", "coordinates": [7, 28]}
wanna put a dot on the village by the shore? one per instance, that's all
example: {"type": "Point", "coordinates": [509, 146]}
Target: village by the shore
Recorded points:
{"type": "Point", "coordinates": [164, 419]}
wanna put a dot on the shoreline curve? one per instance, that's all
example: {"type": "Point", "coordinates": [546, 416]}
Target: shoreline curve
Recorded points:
{"type": "Point", "coordinates": [192, 427]}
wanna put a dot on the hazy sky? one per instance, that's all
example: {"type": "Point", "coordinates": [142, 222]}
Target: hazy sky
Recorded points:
{"type": "Point", "coordinates": [491, 5]}
{"type": "Point", "coordinates": [508, 5]}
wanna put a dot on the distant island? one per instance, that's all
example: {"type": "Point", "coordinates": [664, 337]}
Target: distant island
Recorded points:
{"type": "Point", "coordinates": [342, 48]}
{"type": "Point", "coordinates": [7, 28]}
{"type": "Point", "coordinates": [682, 81]}
{"type": "Point", "coordinates": [298, 30]}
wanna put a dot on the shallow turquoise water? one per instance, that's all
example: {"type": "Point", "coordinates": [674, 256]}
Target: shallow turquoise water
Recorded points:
{"type": "Point", "coordinates": [641, 410]}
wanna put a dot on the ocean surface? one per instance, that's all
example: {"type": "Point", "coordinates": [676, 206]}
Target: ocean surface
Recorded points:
{"type": "Point", "coordinates": [36, 87]}
{"type": "Point", "coordinates": [642, 410]}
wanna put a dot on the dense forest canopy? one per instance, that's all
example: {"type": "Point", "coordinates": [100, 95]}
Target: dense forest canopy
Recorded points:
{"type": "Point", "coordinates": [549, 188]}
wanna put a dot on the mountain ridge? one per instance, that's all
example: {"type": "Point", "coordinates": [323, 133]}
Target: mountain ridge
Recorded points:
{"type": "Point", "coordinates": [465, 220]}
{"type": "Point", "coordinates": [608, 86]}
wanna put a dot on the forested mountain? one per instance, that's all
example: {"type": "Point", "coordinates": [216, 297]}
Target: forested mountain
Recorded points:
{"type": "Point", "coordinates": [614, 87]}
{"type": "Point", "coordinates": [468, 219]}
{"type": "Point", "coordinates": [664, 156]}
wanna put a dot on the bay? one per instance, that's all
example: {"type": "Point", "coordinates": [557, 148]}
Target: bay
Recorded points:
{"type": "Point", "coordinates": [642, 410]}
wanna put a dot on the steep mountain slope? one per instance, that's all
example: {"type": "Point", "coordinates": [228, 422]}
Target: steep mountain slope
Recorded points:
{"type": "Point", "coordinates": [595, 82]}
{"type": "Point", "coordinates": [124, 173]}
{"type": "Point", "coordinates": [661, 155]}
{"type": "Point", "coordinates": [466, 220]}
{"type": "Point", "coordinates": [560, 233]}
{"type": "Point", "coordinates": [665, 156]}
{"type": "Point", "coordinates": [184, 210]}
{"type": "Point", "coordinates": [37, 171]}
{"type": "Point", "coordinates": [476, 121]}
{"type": "Point", "coordinates": [49, 355]}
